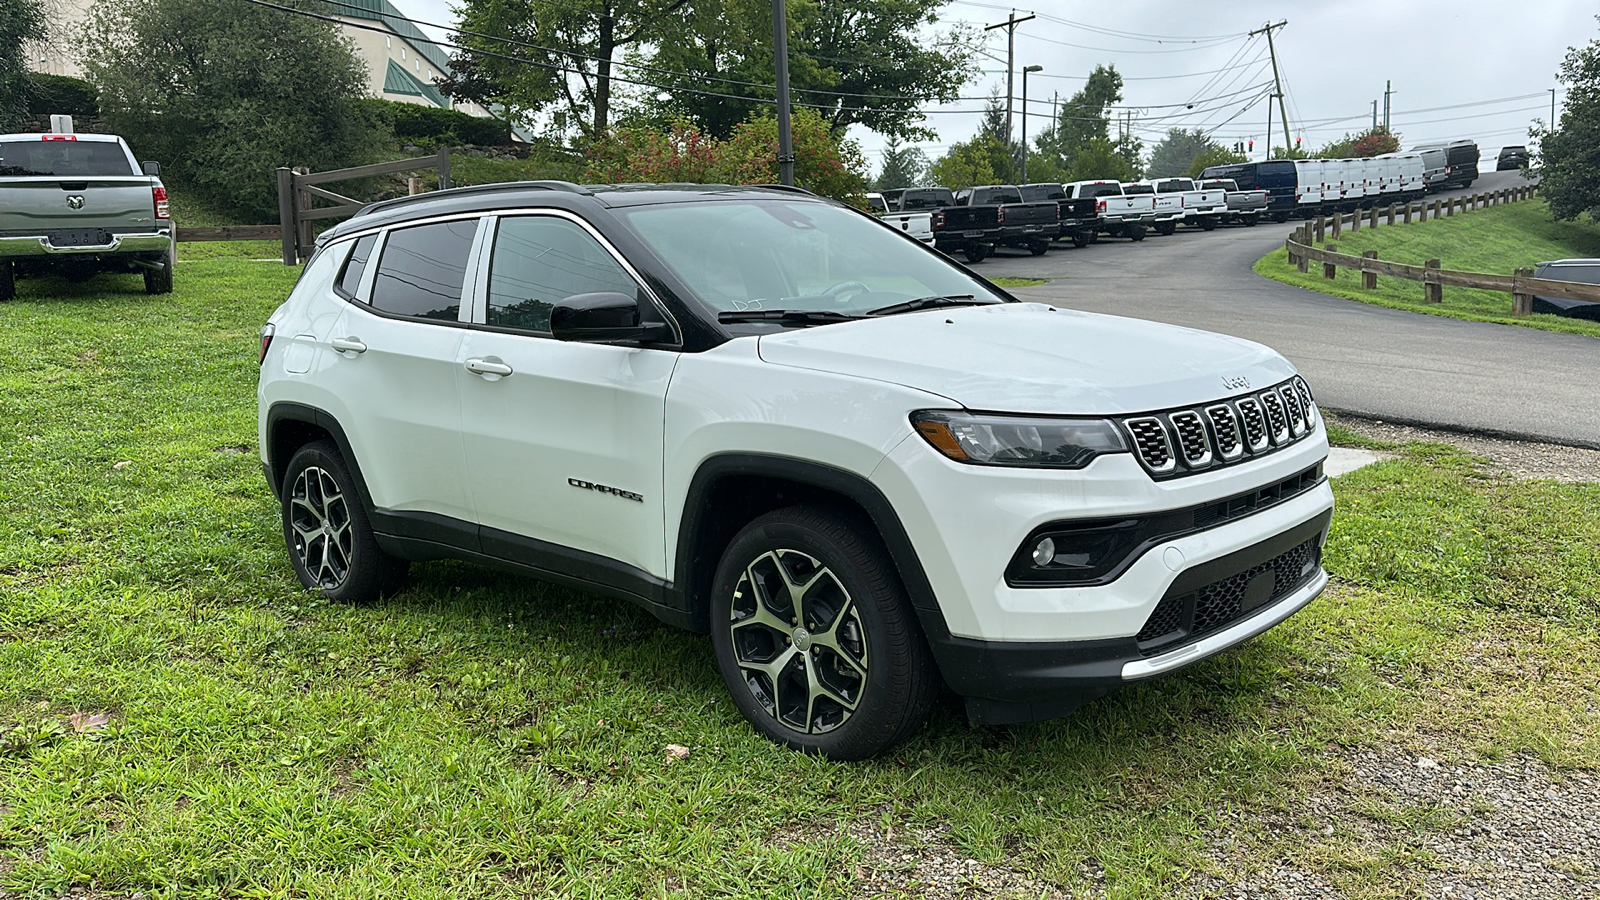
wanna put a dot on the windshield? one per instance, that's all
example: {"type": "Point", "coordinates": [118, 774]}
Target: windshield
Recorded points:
{"type": "Point", "coordinates": [54, 158]}
{"type": "Point", "coordinates": [796, 255]}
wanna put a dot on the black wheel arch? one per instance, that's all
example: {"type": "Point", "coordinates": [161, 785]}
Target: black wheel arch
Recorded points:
{"type": "Point", "coordinates": [291, 426]}
{"type": "Point", "coordinates": [730, 490]}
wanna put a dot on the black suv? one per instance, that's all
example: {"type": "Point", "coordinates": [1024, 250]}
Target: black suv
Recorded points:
{"type": "Point", "coordinates": [1511, 158]}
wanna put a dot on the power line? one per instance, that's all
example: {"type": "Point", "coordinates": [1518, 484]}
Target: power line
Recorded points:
{"type": "Point", "coordinates": [1110, 32]}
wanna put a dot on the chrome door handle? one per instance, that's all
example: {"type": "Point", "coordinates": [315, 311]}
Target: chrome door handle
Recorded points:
{"type": "Point", "coordinates": [349, 344]}
{"type": "Point", "coordinates": [485, 367]}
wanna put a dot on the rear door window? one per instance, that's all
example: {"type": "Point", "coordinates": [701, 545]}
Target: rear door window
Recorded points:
{"type": "Point", "coordinates": [1580, 274]}
{"type": "Point", "coordinates": [422, 270]}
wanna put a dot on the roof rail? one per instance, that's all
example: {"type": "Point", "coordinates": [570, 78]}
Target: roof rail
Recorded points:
{"type": "Point", "coordinates": [498, 187]}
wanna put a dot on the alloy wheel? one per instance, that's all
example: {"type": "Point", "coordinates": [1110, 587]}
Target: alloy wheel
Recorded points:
{"type": "Point", "coordinates": [319, 520]}
{"type": "Point", "coordinates": [799, 641]}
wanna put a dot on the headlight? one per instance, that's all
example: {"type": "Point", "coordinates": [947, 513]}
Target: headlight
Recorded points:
{"type": "Point", "coordinates": [989, 440]}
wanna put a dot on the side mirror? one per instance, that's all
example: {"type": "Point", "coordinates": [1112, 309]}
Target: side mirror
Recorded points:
{"type": "Point", "coordinates": [152, 168]}
{"type": "Point", "coordinates": [603, 317]}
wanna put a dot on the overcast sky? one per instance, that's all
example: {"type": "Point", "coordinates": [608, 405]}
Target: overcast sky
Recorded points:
{"type": "Point", "coordinates": [1490, 62]}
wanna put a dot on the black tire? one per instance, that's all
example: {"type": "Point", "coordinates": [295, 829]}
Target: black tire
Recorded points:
{"type": "Point", "coordinates": [159, 281]}
{"type": "Point", "coordinates": [1250, 221]}
{"type": "Point", "coordinates": [1208, 224]}
{"type": "Point", "coordinates": [1135, 232]}
{"type": "Point", "coordinates": [1081, 239]}
{"type": "Point", "coordinates": [977, 253]}
{"type": "Point", "coordinates": [325, 526]}
{"type": "Point", "coordinates": [864, 642]}
{"type": "Point", "coordinates": [1166, 227]}
{"type": "Point", "coordinates": [8, 281]}
{"type": "Point", "coordinates": [1039, 248]}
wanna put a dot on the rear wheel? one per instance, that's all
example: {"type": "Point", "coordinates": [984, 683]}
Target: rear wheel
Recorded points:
{"type": "Point", "coordinates": [1135, 232]}
{"type": "Point", "coordinates": [8, 281]}
{"type": "Point", "coordinates": [1208, 224]}
{"type": "Point", "coordinates": [977, 253]}
{"type": "Point", "coordinates": [1250, 221]}
{"type": "Point", "coordinates": [1166, 227]}
{"type": "Point", "coordinates": [814, 636]}
{"type": "Point", "coordinates": [1082, 238]}
{"type": "Point", "coordinates": [159, 281]}
{"type": "Point", "coordinates": [1039, 248]}
{"type": "Point", "coordinates": [330, 541]}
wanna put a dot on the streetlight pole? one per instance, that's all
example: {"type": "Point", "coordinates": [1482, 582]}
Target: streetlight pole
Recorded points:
{"type": "Point", "coordinates": [1025, 71]}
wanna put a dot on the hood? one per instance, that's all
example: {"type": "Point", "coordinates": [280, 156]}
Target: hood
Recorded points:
{"type": "Point", "coordinates": [1034, 358]}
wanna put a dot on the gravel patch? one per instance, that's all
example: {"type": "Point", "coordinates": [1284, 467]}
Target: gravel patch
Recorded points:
{"type": "Point", "coordinates": [1519, 459]}
{"type": "Point", "coordinates": [1441, 829]}
{"type": "Point", "coordinates": [925, 863]}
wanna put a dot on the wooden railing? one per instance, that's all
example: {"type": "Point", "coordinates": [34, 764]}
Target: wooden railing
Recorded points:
{"type": "Point", "coordinates": [1521, 285]}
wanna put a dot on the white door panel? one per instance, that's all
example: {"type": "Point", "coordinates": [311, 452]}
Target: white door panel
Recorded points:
{"type": "Point", "coordinates": [404, 410]}
{"type": "Point", "coordinates": [567, 448]}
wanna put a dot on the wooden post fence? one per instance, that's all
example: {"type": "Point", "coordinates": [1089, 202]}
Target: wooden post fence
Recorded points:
{"type": "Point", "coordinates": [1522, 303]}
{"type": "Point", "coordinates": [1369, 280]}
{"type": "Point", "coordinates": [1329, 270]}
{"type": "Point", "coordinates": [1432, 290]}
{"type": "Point", "coordinates": [297, 188]}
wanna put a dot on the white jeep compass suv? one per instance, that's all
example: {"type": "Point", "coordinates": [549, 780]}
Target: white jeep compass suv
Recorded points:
{"type": "Point", "coordinates": [764, 415]}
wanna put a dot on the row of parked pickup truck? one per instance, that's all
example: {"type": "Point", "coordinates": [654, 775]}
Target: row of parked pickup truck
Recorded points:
{"type": "Point", "coordinates": [974, 221]}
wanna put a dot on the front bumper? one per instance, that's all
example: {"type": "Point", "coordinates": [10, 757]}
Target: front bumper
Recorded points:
{"type": "Point", "coordinates": [40, 245]}
{"type": "Point", "coordinates": [1006, 682]}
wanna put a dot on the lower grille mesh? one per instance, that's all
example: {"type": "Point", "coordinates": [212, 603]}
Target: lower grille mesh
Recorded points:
{"type": "Point", "coordinates": [1183, 618]}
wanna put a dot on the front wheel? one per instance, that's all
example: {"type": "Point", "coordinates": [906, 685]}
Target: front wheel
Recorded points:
{"type": "Point", "coordinates": [814, 636]}
{"type": "Point", "coordinates": [330, 541]}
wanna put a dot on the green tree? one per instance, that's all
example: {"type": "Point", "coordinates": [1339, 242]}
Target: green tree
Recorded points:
{"type": "Point", "coordinates": [875, 63]}
{"type": "Point", "coordinates": [1568, 159]}
{"type": "Point", "coordinates": [1098, 159]}
{"type": "Point", "coordinates": [1177, 152]}
{"type": "Point", "coordinates": [21, 22]}
{"type": "Point", "coordinates": [572, 46]}
{"type": "Point", "coordinates": [966, 164]}
{"type": "Point", "coordinates": [1085, 117]}
{"type": "Point", "coordinates": [1216, 156]}
{"type": "Point", "coordinates": [1290, 153]}
{"type": "Point", "coordinates": [1005, 159]}
{"type": "Point", "coordinates": [902, 166]}
{"type": "Point", "coordinates": [220, 93]}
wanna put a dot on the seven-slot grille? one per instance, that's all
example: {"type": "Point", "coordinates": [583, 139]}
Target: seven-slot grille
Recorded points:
{"type": "Point", "coordinates": [1183, 441]}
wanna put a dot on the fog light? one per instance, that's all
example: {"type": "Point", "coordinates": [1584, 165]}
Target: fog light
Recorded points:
{"type": "Point", "coordinates": [1044, 552]}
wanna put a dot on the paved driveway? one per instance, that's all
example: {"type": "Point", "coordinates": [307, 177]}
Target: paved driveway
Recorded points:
{"type": "Point", "coordinates": [1383, 363]}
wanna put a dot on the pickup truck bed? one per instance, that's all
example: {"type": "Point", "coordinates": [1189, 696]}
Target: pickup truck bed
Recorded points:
{"type": "Point", "coordinates": [1022, 224]}
{"type": "Point", "coordinates": [75, 205]}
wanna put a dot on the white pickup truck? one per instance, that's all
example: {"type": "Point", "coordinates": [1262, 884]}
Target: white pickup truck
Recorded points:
{"type": "Point", "coordinates": [78, 204]}
{"type": "Point", "coordinates": [1241, 207]}
{"type": "Point", "coordinates": [917, 224]}
{"type": "Point", "coordinates": [1196, 205]}
{"type": "Point", "coordinates": [1120, 215]}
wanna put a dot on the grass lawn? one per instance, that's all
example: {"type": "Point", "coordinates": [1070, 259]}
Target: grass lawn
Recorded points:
{"type": "Point", "coordinates": [482, 735]}
{"type": "Point", "coordinates": [1017, 282]}
{"type": "Point", "coordinates": [1498, 240]}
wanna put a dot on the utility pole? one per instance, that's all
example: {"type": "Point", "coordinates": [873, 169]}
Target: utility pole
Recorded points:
{"type": "Point", "coordinates": [1387, 90]}
{"type": "Point", "coordinates": [1010, 25]}
{"type": "Point", "coordinates": [1277, 84]}
{"type": "Point", "coordinates": [1552, 109]}
{"type": "Point", "coordinates": [1374, 115]}
{"type": "Point", "coordinates": [780, 52]}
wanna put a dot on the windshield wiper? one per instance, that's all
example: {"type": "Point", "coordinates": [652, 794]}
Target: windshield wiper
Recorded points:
{"type": "Point", "coordinates": [728, 316]}
{"type": "Point", "coordinates": [928, 303]}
